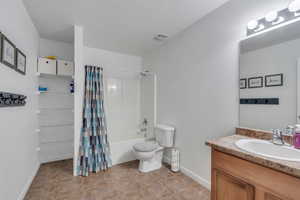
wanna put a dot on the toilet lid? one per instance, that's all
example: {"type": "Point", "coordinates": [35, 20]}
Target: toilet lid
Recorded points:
{"type": "Point", "coordinates": [146, 146]}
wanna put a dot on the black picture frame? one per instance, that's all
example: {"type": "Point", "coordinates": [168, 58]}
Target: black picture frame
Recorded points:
{"type": "Point", "coordinates": [20, 69]}
{"type": "Point", "coordinates": [0, 47]}
{"type": "Point", "coordinates": [280, 78]}
{"type": "Point", "coordinates": [243, 83]}
{"type": "Point", "coordinates": [4, 39]}
{"type": "Point", "coordinates": [260, 78]}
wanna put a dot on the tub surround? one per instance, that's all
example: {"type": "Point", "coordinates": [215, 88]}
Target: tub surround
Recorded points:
{"type": "Point", "coordinates": [227, 145]}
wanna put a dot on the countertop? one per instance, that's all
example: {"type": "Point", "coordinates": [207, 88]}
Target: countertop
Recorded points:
{"type": "Point", "coordinates": [227, 145]}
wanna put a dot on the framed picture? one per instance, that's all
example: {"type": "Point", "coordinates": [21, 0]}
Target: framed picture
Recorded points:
{"type": "Point", "coordinates": [8, 52]}
{"type": "Point", "coordinates": [21, 62]}
{"type": "Point", "coordinates": [274, 80]}
{"type": "Point", "coordinates": [243, 83]}
{"type": "Point", "coordinates": [255, 82]}
{"type": "Point", "coordinates": [0, 47]}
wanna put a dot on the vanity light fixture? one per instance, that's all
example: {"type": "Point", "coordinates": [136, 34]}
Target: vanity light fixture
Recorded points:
{"type": "Point", "coordinates": [272, 16]}
{"type": "Point", "coordinates": [252, 24]}
{"type": "Point", "coordinates": [275, 19]}
{"type": "Point", "coordinates": [260, 28]}
{"type": "Point", "coordinates": [294, 7]}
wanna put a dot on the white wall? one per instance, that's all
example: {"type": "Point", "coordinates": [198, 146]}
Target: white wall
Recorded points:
{"type": "Point", "coordinates": [198, 74]}
{"type": "Point", "coordinates": [78, 87]}
{"type": "Point", "coordinates": [18, 140]}
{"type": "Point", "coordinates": [63, 51]}
{"type": "Point", "coordinates": [281, 58]}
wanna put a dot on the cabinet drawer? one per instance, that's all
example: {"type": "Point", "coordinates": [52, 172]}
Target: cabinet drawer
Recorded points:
{"type": "Point", "coordinates": [46, 66]}
{"type": "Point", "coordinates": [65, 68]}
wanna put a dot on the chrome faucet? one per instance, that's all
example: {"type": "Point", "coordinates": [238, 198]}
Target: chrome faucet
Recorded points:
{"type": "Point", "coordinates": [143, 127]}
{"type": "Point", "coordinates": [277, 137]}
{"type": "Point", "coordinates": [280, 136]}
{"type": "Point", "coordinates": [289, 131]}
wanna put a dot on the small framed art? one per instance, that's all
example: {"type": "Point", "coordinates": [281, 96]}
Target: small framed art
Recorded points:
{"type": "Point", "coordinates": [8, 52]}
{"type": "Point", "coordinates": [0, 46]}
{"type": "Point", "coordinates": [274, 80]}
{"type": "Point", "coordinates": [243, 83]}
{"type": "Point", "coordinates": [255, 82]}
{"type": "Point", "coordinates": [21, 62]}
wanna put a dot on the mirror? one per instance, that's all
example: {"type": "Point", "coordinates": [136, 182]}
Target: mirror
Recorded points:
{"type": "Point", "coordinates": [269, 75]}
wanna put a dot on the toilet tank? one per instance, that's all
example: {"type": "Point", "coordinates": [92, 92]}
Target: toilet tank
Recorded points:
{"type": "Point", "coordinates": [164, 135]}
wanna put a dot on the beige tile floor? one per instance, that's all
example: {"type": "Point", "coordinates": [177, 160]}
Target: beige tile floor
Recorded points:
{"type": "Point", "coordinates": [54, 181]}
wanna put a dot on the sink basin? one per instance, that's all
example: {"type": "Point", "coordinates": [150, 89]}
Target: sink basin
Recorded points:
{"type": "Point", "coordinates": [268, 149]}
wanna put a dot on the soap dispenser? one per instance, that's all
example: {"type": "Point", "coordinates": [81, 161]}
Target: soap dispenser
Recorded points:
{"type": "Point", "coordinates": [296, 137]}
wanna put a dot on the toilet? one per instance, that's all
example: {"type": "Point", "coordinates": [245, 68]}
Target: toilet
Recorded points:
{"type": "Point", "coordinates": [150, 153]}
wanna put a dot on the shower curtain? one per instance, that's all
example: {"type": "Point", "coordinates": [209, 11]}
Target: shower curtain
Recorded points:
{"type": "Point", "coordinates": [94, 150]}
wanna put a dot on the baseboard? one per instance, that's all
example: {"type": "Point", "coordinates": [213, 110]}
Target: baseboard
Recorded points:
{"type": "Point", "coordinates": [54, 159]}
{"type": "Point", "coordinates": [29, 182]}
{"type": "Point", "coordinates": [190, 174]}
{"type": "Point", "coordinates": [196, 177]}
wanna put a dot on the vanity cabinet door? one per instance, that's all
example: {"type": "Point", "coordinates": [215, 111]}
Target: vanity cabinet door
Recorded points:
{"type": "Point", "coordinates": [227, 187]}
{"type": "Point", "coordinates": [269, 196]}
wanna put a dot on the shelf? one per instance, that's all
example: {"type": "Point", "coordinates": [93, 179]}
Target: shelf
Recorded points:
{"type": "Point", "coordinates": [57, 108]}
{"type": "Point", "coordinates": [41, 110]}
{"type": "Point", "coordinates": [56, 125]}
{"type": "Point", "coordinates": [55, 93]}
{"type": "Point", "coordinates": [57, 141]}
{"type": "Point", "coordinates": [53, 75]}
{"type": "Point", "coordinates": [47, 110]}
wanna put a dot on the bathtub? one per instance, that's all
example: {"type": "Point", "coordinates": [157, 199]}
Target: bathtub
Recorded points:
{"type": "Point", "coordinates": [121, 152]}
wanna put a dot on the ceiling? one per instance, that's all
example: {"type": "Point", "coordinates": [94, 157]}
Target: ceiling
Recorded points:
{"type": "Point", "coordinates": [126, 26]}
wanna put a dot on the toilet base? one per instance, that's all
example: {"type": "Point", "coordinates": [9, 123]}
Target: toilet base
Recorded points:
{"type": "Point", "coordinates": [152, 164]}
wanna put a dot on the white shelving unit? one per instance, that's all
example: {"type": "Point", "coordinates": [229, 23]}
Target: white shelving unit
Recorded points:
{"type": "Point", "coordinates": [52, 75]}
{"type": "Point", "coordinates": [55, 67]}
{"type": "Point", "coordinates": [56, 117]}
{"type": "Point", "coordinates": [54, 93]}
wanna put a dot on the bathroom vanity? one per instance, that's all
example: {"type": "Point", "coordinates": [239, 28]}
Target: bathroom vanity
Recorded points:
{"type": "Point", "coordinates": [243, 167]}
{"type": "Point", "coordinates": [240, 175]}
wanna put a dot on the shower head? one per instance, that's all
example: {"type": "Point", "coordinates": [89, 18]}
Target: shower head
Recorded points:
{"type": "Point", "coordinates": [145, 73]}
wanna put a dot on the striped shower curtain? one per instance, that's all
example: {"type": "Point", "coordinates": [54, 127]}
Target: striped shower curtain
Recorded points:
{"type": "Point", "coordinates": [94, 150]}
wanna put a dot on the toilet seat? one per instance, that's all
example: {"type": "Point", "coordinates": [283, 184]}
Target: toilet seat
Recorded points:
{"type": "Point", "coordinates": [146, 147]}
{"type": "Point", "coordinates": [150, 156]}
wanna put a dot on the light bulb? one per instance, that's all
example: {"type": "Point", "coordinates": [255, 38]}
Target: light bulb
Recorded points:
{"type": "Point", "coordinates": [271, 16]}
{"type": "Point", "coordinates": [294, 6]}
{"type": "Point", "coordinates": [252, 24]}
